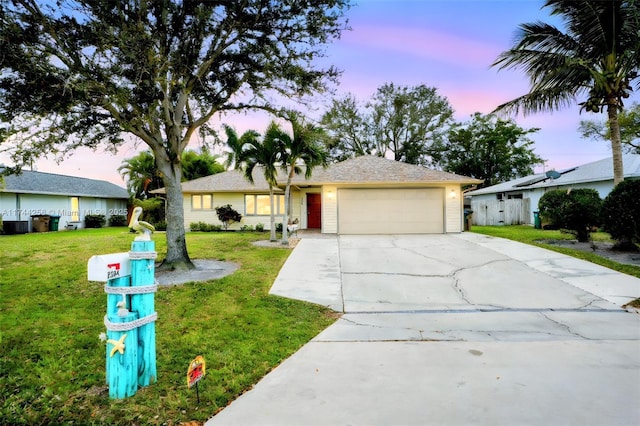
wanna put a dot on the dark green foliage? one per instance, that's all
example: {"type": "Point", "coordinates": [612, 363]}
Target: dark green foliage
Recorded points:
{"type": "Point", "coordinates": [160, 226]}
{"type": "Point", "coordinates": [196, 165]}
{"type": "Point", "coordinates": [576, 210]}
{"type": "Point", "coordinates": [204, 227]}
{"type": "Point", "coordinates": [621, 214]}
{"type": "Point", "coordinates": [118, 220]}
{"type": "Point", "coordinates": [94, 221]}
{"type": "Point", "coordinates": [152, 209]}
{"type": "Point", "coordinates": [96, 73]}
{"type": "Point", "coordinates": [404, 121]}
{"type": "Point", "coordinates": [227, 215]}
{"type": "Point", "coordinates": [487, 148]}
{"type": "Point", "coordinates": [259, 227]}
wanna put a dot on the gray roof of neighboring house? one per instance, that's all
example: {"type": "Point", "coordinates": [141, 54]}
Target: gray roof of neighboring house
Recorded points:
{"type": "Point", "coordinates": [359, 170]}
{"type": "Point", "coordinates": [597, 171]}
{"type": "Point", "coordinates": [28, 182]}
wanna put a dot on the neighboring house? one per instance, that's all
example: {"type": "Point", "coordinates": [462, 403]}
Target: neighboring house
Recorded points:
{"type": "Point", "coordinates": [71, 198]}
{"type": "Point", "coordinates": [498, 204]}
{"type": "Point", "coordinates": [364, 195]}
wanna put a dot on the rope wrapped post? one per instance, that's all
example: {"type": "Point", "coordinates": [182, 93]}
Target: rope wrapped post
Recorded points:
{"type": "Point", "coordinates": [122, 359]}
{"type": "Point", "coordinates": [143, 257]}
{"type": "Point", "coordinates": [113, 299]}
{"type": "Point", "coordinates": [130, 319]}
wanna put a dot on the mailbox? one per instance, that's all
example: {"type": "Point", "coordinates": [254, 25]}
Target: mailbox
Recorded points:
{"type": "Point", "coordinates": [107, 267]}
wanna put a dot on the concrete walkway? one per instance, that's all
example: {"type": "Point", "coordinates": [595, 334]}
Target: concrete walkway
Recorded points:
{"type": "Point", "coordinates": [452, 330]}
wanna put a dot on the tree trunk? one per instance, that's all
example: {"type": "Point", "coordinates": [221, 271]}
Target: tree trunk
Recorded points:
{"type": "Point", "coordinates": [285, 220]}
{"type": "Point", "coordinates": [616, 144]}
{"type": "Point", "coordinates": [272, 217]}
{"type": "Point", "coordinates": [177, 255]}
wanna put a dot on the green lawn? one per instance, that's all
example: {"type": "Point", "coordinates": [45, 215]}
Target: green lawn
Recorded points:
{"type": "Point", "coordinates": [52, 364]}
{"type": "Point", "coordinates": [529, 235]}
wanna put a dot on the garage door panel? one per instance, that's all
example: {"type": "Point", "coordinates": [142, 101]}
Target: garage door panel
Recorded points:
{"type": "Point", "coordinates": [391, 211]}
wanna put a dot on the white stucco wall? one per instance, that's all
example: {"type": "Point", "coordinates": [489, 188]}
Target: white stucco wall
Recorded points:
{"type": "Point", "coordinates": [453, 210]}
{"type": "Point", "coordinates": [23, 206]}
{"type": "Point", "coordinates": [329, 210]}
{"type": "Point", "coordinates": [236, 200]}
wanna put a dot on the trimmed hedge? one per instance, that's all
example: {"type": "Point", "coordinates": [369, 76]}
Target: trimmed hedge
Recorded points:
{"type": "Point", "coordinates": [576, 211]}
{"type": "Point", "coordinates": [621, 214]}
{"type": "Point", "coordinates": [94, 221]}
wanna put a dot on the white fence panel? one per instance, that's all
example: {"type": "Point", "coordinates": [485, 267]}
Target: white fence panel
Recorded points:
{"type": "Point", "coordinates": [501, 212]}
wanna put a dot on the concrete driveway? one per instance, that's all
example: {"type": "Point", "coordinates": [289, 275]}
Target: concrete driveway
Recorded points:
{"type": "Point", "coordinates": [452, 330]}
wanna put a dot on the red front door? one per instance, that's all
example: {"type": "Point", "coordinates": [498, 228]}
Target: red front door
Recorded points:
{"type": "Point", "coordinates": [314, 211]}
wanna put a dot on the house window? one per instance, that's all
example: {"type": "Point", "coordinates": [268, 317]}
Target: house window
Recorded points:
{"type": "Point", "coordinates": [514, 196]}
{"type": "Point", "coordinates": [201, 202]}
{"type": "Point", "coordinates": [260, 204]}
{"type": "Point", "coordinates": [75, 209]}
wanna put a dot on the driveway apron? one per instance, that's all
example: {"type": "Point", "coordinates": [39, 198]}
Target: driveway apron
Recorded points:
{"type": "Point", "coordinates": [452, 330]}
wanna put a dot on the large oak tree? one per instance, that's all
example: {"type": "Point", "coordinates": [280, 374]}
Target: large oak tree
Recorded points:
{"type": "Point", "coordinates": [398, 121]}
{"type": "Point", "coordinates": [488, 148]}
{"type": "Point", "coordinates": [86, 73]}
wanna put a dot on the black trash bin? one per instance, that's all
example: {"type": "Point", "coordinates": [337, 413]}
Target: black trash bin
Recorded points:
{"type": "Point", "coordinates": [467, 219]}
{"type": "Point", "coordinates": [54, 221]}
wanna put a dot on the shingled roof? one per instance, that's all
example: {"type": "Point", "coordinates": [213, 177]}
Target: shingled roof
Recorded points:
{"type": "Point", "coordinates": [360, 170]}
{"type": "Point", "coordinates": [230, 181]}
{"type": "Point", "coordinates": [28, 182]}
{"type": "Point", "coordinates": [376, 170]}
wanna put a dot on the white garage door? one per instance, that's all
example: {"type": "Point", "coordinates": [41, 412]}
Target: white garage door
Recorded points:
{"type": "Point", "coordinates": [391, 211]}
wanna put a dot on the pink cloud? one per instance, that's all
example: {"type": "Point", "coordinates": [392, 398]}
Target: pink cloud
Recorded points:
{"type": "Point", "coordinates": [424, 43]}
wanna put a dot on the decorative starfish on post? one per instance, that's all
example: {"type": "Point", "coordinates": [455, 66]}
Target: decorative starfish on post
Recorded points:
{"type": "Point", "coordinates": [144, 229]}
{"type": "Point", "coordinates": [118, 345]}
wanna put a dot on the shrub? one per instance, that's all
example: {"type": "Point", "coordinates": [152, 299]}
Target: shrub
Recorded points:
{"type": "Point", "coordinates": [153, 209]}
{"type": "Point", "coordinates": [576, 211]}
{"type": "Point", "coordinates": [227, 215]}
{"type": "Point", "coordinates": [260, 227]}
{"type": "Point", "coordinates": [94, 221]}
{"type": "Point", "coordinates": [279, 227]}
{"type": "Point", "coordinates": [160, 226]}
{"type": "Point", "coordinates": [118, 220]}
{"type": "Point", "coordinates": [203, 227]}
{"type": "Point", "coordinates": [550, 206]}
{"type": "Point", "coordinates": [621, 214]}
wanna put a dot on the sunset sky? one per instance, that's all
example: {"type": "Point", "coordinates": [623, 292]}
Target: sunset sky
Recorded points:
{"type": "Point", "coordinates": [446, 44]}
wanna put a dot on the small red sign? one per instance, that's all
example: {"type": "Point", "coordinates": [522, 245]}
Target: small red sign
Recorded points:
{"type": "Point", "coordinates": [197, 370]}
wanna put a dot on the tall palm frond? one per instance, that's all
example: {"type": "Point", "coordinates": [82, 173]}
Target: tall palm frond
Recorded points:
{"type": "Point", "coordinates": [594, 62]}
{"type": "Point", "coordinates": [265, 154]}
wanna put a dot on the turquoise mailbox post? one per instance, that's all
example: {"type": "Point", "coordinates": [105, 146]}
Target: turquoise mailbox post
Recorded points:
{"type": "Point", "coordinates": [130, 318]}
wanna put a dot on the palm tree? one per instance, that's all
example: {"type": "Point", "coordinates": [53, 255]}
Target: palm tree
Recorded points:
{"type": "Point", "coordinates": [303, 150]}
{"type": "Point", "coordinates": [266, 154]}
{"type": "Point", "coordinates": [597, 58]}
{"type": "Point", "coordinates": [142, 174]}
{"type": "Point", "coordinates": [196, 165]}
{"type": "Point", "coordinates": [234, 145]}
